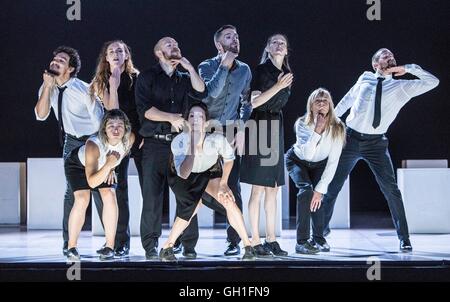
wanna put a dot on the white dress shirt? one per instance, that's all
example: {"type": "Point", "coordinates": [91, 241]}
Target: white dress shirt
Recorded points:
{"type": "Point", "coordinates": [103, 150]}
{"type": "Point", "coordinates": [313, 147]}
{"type": "Point", "coordinates": [80, 113]}
{"type": "Point", "coordinates": [215, 145]}
{"type": "Point", "coordinates": [395, 94]}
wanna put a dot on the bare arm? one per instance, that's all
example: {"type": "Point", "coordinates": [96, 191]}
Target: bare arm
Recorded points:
{"type": "Point", "coordinates": [96, 176]}
{"type": "Point", "coordinates": [258, 98]}
{"type": "Point", "coordinates": [42, 107]}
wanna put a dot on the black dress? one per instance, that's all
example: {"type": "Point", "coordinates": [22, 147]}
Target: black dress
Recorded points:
{"type": "Point", "coordinates": [252, 171]}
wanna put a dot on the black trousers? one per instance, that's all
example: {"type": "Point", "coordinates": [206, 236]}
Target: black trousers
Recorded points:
{"type": "Point", "coordinates": [155, 169]}
{"type": "Point", "coordinates": [373, 149]}
{"type": "Point", "coordinates": [306, 175]}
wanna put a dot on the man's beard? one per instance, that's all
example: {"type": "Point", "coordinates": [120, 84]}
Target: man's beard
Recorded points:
{"type": "Point", "coordinates": [173, 55]}
{"type": "Point", "coordinates": [233, 48]}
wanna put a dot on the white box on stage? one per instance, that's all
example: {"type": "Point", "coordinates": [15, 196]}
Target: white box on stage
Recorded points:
{"type": "Point", "coordinates": [426, 196]}
{"type": "Point", "coordinates": [341, 213]}
{"type": "Point", "coordinates": [11, 192]}
{"type": "Point", "coordinates": [46, 185]}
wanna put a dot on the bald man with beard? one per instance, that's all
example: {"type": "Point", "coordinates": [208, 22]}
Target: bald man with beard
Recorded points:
{"type": "Point", "coordinates": [163, 93]}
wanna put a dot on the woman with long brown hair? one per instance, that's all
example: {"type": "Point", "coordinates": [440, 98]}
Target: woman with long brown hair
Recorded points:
{"type": "Point", "coordinates": [113, 84]}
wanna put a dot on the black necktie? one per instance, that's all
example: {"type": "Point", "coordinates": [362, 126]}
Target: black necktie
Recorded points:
{"type": "Point", "coordinates": [377, 113]}
{"type": "Point", "coordinates": [60, 120]}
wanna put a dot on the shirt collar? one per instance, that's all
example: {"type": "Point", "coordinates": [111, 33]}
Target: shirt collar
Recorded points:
{"type": "Point", "coordinates": [67, 84]}
{"type": "Point", "coordinates": [379, 75]}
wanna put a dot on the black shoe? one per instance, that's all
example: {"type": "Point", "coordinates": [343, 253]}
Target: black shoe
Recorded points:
{"type": "Point", "coordinates": [106, 253]}
{"type": "Point", "coordinates": [151, 254]}
{"type": "Point", "coordinates": [306, 248]}
{"type": "Point", "coordinates": [167, 254]}
{"type": "Point", "coordinates": [274, 248]}
{"type": "Point", "coordinates": [322, 245]}
{"type": "Point", "coordinates": [122, 251]}
{"type": "Point", "coordinates": [249, 253]}
{"type": "Point", "coordinates": [72, 254]}
{"type": "Point", "coordinates": [101, 249]}
{"type": "Point", "coordinates": [405, 246]}
{"type": "Point", "coordinates": [232, 250]}
{"type": "Point", "coordinates": [65, 247]}
{"type": "Point", "coordinates": [261, 251]}
{"type": "Point", "coordinates": [189, 252]}
{"type": "Point", "coordinates": [177, 247]}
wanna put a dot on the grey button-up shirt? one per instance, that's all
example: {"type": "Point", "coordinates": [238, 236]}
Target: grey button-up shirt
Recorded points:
{"type": "Point", "coordinates": [228, 90]}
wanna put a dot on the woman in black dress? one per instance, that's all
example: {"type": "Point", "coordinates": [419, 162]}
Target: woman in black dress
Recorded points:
{"type": "Point", "coordinates": [263, 162]}
{"type": "Point", "coordinates": [113, 84]}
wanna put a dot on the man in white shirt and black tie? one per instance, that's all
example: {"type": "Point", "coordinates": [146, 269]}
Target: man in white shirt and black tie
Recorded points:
{"type": "Point", "coordinates": [374, 102]}
{"type": "Point", "coordinates": [78, 114]}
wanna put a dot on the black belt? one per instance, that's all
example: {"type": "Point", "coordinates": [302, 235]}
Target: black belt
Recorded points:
{"type": "Point", "coordinates": [164, 137]}
{"type": "Point", "coordinates": [360, 135]}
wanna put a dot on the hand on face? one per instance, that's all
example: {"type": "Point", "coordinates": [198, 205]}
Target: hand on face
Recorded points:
{"type": "Point", "coordinates": [320, 123]}
{"type": "Point", "coordinates": [228, 58]}
{"type": "Point", "coordinates": [397, 70]}
{"type": "Point", "coordinates": [114, 79]}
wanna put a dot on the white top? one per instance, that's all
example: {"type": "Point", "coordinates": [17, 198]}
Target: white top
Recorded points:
{"type": "Point", "coordinates": [313, 147]}
{"type": "Point", "coordinates": [103, 149]}
{"type": "Point", "coordinates": [215, 145]}
{"type": "Point", "coordinates": [395, 94]}
{"type": "Point", "coordinates": [81, 115]}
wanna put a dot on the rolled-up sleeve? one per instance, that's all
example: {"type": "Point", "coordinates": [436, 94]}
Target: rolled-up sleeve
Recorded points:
{"type": "Point", "coordinates": [35, 112]}
{"type": "Point", "coordinates": [225, 150]}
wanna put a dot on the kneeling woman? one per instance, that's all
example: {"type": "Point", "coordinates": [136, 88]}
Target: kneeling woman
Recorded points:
{"type": "Point", "coordinates": [196, 169]}
{"type": "Point", "coordinates": [91, 166]}
{"type": "Point", "coordinates": [311, 163]}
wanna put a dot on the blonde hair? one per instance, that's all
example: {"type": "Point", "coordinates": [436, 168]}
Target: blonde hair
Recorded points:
{"type": "Point", "coordinates": [265, 54]}
{"type": "Point", "coordinates": [113, 115]}
{"type": "Point", "coordinates": [102, 72]}
{"type": "Point", "coordinates": [333, 123]}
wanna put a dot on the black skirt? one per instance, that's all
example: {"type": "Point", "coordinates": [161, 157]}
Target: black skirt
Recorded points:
{"type": "Point", "coordinates": [188, 192]}
{"type": "Point", "coordinates": [252, 171]}
{"type": "Point", "coordinates": [76, 173]}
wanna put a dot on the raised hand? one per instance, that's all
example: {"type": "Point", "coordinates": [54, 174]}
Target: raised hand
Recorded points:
{"type": "Point", "coordinates": [284, 80]}
{"type": "Point", "coordinates": [114, 78]}
{"type": "Point", "coordinates": [112, 158]}
{"type": "Point", "coordinates": [183, 62]}
{"type": "Point", "coordinates": [49, 79]}
{"type": "Point", "coordinates": [320, 123]}
{"type": "Point", "coordinates": [397, 70]}
{"type": "Point", "coordinates": [228, 59]}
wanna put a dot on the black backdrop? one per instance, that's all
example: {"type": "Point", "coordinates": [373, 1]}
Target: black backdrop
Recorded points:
{"type": "Point", "coordinates": [331, 42]}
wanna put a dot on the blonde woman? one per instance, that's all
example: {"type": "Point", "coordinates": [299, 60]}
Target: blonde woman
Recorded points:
{"type": "Point", "coordinates": [311, 163]}
{"type": "Point", "coordinates": [271, 88]}
{"type": "Point", "coordinates": [91, 166]}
